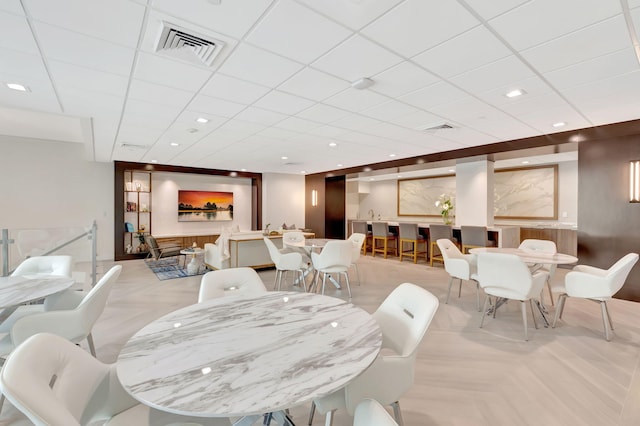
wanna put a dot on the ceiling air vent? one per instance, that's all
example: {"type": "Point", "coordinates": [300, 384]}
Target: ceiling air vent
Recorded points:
{"type": "Point", "coordinates": [431, 128]}
{"type": "Point", "coordinates": [188, 45]}
{"type": "Point", "coordinates": [132, 146]}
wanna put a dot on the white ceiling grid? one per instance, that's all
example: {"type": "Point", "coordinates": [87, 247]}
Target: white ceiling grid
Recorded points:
{"type": "Point", "coordinates": [281, 85]}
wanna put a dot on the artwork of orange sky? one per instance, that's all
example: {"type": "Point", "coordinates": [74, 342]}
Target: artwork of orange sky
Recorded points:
{"type": "Point", "coordinates": [199, 198]}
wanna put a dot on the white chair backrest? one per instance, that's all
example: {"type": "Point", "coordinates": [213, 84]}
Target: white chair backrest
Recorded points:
{"type": "Point", "coordinates": [273, 250]}
{"type": "Point", "coordinates": [369, 412]}
{"type": "Point", "coordinates": [94, 302]}
{"type": "Point", "coordinates": [544, 246]}
{"type": "Point", "coordinates": [505, 271]}
{"type": "Point", "coordinates": [357, 239]}
{"type": "Point", "coordinates": [334, 254]}
{"type": "Point", "coordinates": [45, 265]}
{"type": "Point", "coordinates": [230, 282]}
{"type": "Point", "coordinates": [449, 250]}
{"type": "Point", "coordinates": [43, 359]}
{"type": "Point", "coordinates": [618, 272]}
{"type": "Point", "coordinates": [292, 238]}
{"type": "Point", "coordinates": [404, 317]}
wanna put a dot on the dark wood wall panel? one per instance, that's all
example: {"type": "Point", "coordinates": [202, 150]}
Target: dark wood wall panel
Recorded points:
{"type": "Point", "coordinates": [314, 215]}
{"type": "Point", "coordinates": [335, 207]}
{"type": "Point", "coordinates": [608, 225]}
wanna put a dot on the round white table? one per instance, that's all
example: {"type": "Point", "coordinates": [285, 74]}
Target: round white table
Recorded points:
{"type": "Point", "coordinates": [16, 290]}
{"type": "Point", "coordinates": [194, 266]}
{"type": "Point", "coordinates": [235, 356]}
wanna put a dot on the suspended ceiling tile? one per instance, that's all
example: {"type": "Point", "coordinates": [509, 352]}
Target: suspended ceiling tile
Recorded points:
{"type": "Point", "coordinates": [353, 14]}
{"type": "Point", "coordinates": [313, 84]}
{"type": "Point", "coordinates": [231, 89]}
{"type": "Point", "coordinates": [401, 79]}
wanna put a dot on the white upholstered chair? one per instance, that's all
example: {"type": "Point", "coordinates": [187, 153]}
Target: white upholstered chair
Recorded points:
{"type": "Point", "coordinates": [543, 246]}
{"type": "Point", "coordinates": [230, 282]}
{"type": "Point", "coordinates": [358, 240]}
{"type": "Point", "coordinates": [596, 284]}
{"type": "Point", "coordinates": [506, 276]}
{"type": "Point", "coordinates": [404, 317]}
{"type": "Point", "coordinates": [71, 315]}
{"type": "Point", "coordinates": [55, 383]}
{"type": "Point", "coordinates": [335, 258]}
{"type": "Point", "coordinates": [369, 412]}
{"type": "Point", "coordinates": [460, 266]}
{"type": "Point", "coordinates": [285, 262]}
{"type": "Point", "coordinates": [216, 255]}
{"type": "Point", "coordinates": [45, 265]}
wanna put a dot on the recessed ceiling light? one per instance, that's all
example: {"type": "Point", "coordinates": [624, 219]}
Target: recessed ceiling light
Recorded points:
{"type": "Point", "coordinates": [174, 144]}
{"type": "Point", "coordinates": [18, 87]}
{"type": "Point", "coordinates": [243, 170]}
{"type": "Point", "coordinates": [525, 162]}
{"type": "Point", "coordinates": [302, 171]}
{"type": "Point", "coordinates": [559, 124]}
{"type": "Point", "coordinates": [392, 155]}
{"type": "Point", "coordinates": [515, 93]}
{"type": "Point", "coordinates": [338, 165]}
{"type": "Point", "coordinates": [451, 170]}
{"type": "Point", "coordinates": [154, 161]}
{"type": "Point", "coordinates": [362, 83]}
{"type": "Point", "coordinates": [332, 144]}
{"type": "Point", "coordinates": [202, 120]}
{"type": "Point", "coordinates": [284, 158]}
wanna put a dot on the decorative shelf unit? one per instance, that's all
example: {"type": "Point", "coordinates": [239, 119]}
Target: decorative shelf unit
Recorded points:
{"type": "Point", "coordinates": [137, 210]}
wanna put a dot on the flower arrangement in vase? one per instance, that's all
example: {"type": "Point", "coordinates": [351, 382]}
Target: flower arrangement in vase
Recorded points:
{"type": "Point", "coordinates": [445, 203]}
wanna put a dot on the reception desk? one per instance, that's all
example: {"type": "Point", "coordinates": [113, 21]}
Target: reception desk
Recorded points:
{"type": "Point", "coordinates": [250, 250]}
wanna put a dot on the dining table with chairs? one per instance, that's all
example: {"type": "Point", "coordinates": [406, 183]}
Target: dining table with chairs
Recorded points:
{"type": "Point", "coordinates": [248, 357]}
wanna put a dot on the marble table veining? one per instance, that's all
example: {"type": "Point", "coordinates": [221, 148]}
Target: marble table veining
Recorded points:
{"type": "Point", "coordinates": [529, 256]}
{"type": "Point", "coordinates": [238, 356]}
{"type": "Point", "coordinates": [16, 290]}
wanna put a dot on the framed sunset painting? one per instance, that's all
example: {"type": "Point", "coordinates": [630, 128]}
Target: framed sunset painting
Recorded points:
{"type": "Point", "coordinates": [204, 206]}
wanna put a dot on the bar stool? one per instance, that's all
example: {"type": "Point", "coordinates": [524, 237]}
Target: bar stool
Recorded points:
{"type": "Point", "coordinates": [475, 236]}
{"type": "Point", "coordinates": [381, 233]}
{"type": "Point", "coordinates": [409, 234]}
{"type": "Point", "coordinates": [437, 232]}
{"type": "Point", "coordinates": [361, 227]}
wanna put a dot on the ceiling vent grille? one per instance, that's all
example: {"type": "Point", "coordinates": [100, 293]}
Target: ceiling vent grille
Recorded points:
{"type": "Point", "coordinates": [132, 146]}
{"type": "Point", "coordinates": [432, 128]}
{"type": "Point", "coordinates": [187, 45]}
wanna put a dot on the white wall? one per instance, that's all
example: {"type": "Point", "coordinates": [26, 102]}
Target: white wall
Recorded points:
{"type": "Point", "coordinates": [164, 203]}
{"type": "Point", "coordinates": [47, 184]}
{"type": "Point", "coordinates": [283, 200]}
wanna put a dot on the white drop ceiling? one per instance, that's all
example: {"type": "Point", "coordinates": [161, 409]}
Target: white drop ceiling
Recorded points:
{"type": "Point", "coordinates": [280, 85]}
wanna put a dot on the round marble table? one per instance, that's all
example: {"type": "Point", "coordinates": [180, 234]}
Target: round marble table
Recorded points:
{"type": "Point", "coordinates": [16, 290]}
{"type": "Point", "coordinates": [237, 356]}
{"type": "Point", "coordinates": [535, 257]}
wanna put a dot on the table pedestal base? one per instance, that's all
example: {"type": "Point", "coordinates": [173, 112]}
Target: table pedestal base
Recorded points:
{"type": "Point", "coordinates": [279, 416]}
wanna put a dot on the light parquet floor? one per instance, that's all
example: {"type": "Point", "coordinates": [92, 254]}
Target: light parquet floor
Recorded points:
{"type": "Point", "coordinates": [464, 375]}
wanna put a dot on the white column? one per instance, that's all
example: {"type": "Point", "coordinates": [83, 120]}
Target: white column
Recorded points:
{"type": "Point", "coordinates": [474, 193]}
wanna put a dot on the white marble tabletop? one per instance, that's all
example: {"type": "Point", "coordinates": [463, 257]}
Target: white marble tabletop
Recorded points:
{"type": "Point", "coordinates": [529, 256]}
{"type": "Point", "coordinates": [237, 356]}
{"type": "Point", "coordinates": [26, 288]}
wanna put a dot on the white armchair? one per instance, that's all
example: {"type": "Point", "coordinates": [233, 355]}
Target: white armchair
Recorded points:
{"type": "Point", "coordinates": [216, 256]}
{"type": "Point", "coordinates": [230, 282]}
{"type": "Point", "coordinates": [370, 413]}
{"type": "Point", "coordinates": [71, 316]}
{"type": "Point", "coordinates": [460, 266]}
{"type": "Point", "coordinates": [404, 317]}
{"type": "Point", "coordinates": [505, 276]}
{"type": "Point", "coordinates": [543, 246]}
{"type": "Point", "coordinates": [286, 262]}
{"type": "Point", "coordinates": [358, 240]}
{"type": "Point", "coordinates": [45, 265]}
{"type": "Point", "coordinates": [596, 284]}
{"type": "Point", "coordinates": [55, 383]}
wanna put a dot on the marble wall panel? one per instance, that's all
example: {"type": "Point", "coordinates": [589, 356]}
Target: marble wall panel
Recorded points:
{"type": "Point", "coordinates": [417, 197]}
{"type": "Point", "coordinates": [527, 193]}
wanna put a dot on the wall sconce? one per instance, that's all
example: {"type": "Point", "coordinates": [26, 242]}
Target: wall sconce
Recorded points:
{"type": "Point", "coordinates": [634, 181]}
{"type": "Point", "coordinates": [314, 198]}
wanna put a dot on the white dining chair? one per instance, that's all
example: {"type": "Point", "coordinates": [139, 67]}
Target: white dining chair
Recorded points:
{"type": "Point", "coordinates": [598, 285]}
{"type": "Point", "coordinates": [55, 383]}
{"type": "Point", "coordinates": [506, 276]}
{"type": "Point", "coordinates": [543, 246]}
{"type": "Point", "coordinates": [71, 315]}
{"type": "Point", "coordinates": [45, 265]}
{"type": "Point", "coordinates": [358, 240]}
{"type": "Point", "coordinates": [459, 266]}
{"type": "Point", "coordinates": [230, 282]}
{"type": "Point", "coordinates": [285, 262]}
{"type": "Point", "coordinates": [369, 412]}
{"type": "Point", "coordinates": [404, 317]}
{"type": "Point", "coordinates": [335, 258]}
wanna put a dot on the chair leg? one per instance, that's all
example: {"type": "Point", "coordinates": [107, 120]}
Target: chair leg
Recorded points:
{"type": "Point", "coordinates": [275, 281]}
{"type": "Point", "coordinates": [92, 347]}
{"type": "Point", "coordinates": [328, 421]}
{"type": "Point", "coordinates": [303, 280]}
{"type": "Point", "coordinates": [396, 413]}
{"type": "Point", "coordinates": [324, 279]}
{"type": "Point", "coordinates": [524, 319]}
{"type": "Point", "coordinates": [357, 272]}
{"type": "Point", "coordinates": [460, 288]}
{"type": "Point", "coordinates": [606, 308]}
{"type": "Point", "coordinates": [605, 321]}
{"type": "Point", "coordinates": [312, 412]}
{"type": "Point", "coordinates": [484, 310]}
{"type": "Point", "coordinates": [559, 308]}
{"type": "Point", "coordinates": [346, 278]}
{"type": "Point", "coordinates": [478, 295]}
{"type": "Point", "coordinates": [550, 292]}
{"type": "Point", "coordinates": [533, 314]}
{"type": "Point", "coordinates": [449, 292]}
